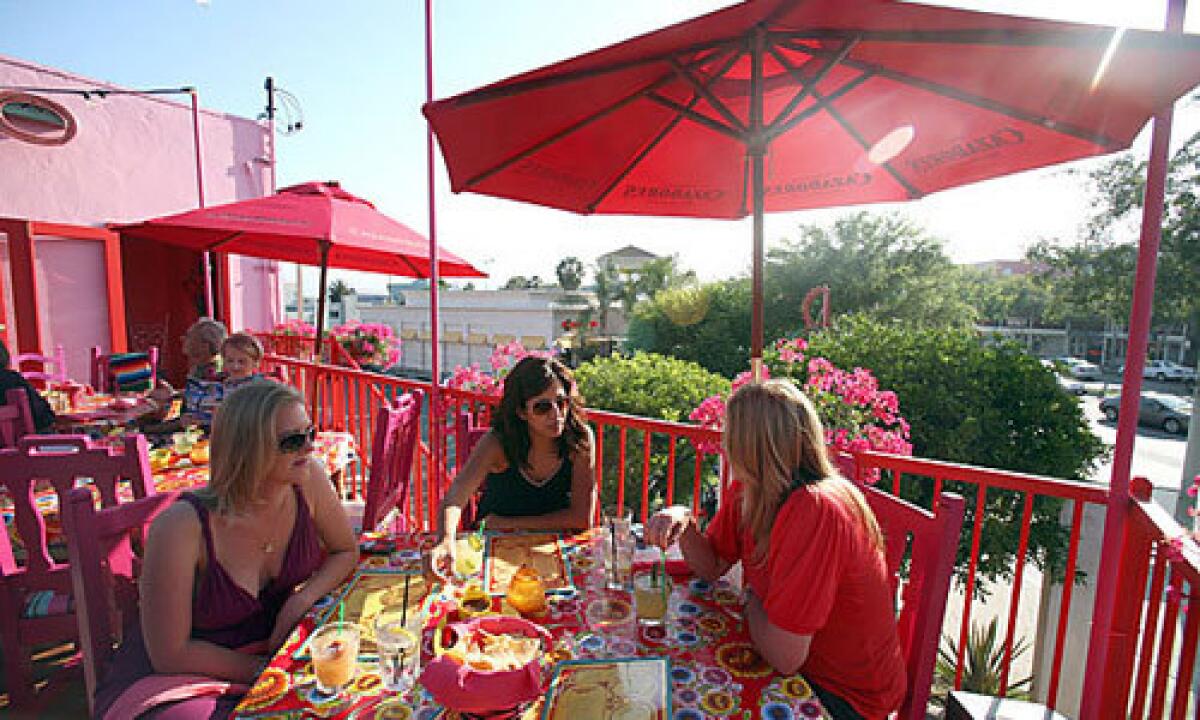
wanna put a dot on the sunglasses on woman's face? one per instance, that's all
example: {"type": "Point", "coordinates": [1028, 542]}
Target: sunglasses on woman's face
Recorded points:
{"type": "Point", "coordinates": [296, 441]}
{"type": "Point", "coordinates": [543, 406]}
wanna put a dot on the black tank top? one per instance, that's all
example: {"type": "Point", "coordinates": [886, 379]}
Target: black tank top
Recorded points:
{"type": "Point", "coordinates": [508, 493]}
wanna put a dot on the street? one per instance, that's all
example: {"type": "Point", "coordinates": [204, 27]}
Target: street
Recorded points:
{"type": "Point", "coordinates": [1156, 455]}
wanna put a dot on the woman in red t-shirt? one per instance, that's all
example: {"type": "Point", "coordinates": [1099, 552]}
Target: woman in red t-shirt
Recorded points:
{"type": "Point", "coordinates": [818, 599]}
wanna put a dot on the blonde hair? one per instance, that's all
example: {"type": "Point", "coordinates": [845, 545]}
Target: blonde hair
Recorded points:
{"type": "Point", "coordinates": [244, 444]}
{"type": "Point", "coordinates": [775, 442]}
{"type": "Point", "coordinates": [209, 331]}
{"type": "Point", "coordinates": [246, 343]}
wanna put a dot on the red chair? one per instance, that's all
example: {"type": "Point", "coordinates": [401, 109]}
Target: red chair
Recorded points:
{"type": "Point", "coordinates": [122, 372]}
{"type": "Point", "coordinates": [931, 541]}
{"type": "Point", "coordinates": [35, 595]}
{"type": "Point", "coordinates": [100, 548]}
{"type": "Point", "coordinates": [16, 419]}
{"type": "Point", "coordinates": [397, 428]}
{"type": "Point", "coordinates": [50, 369]}
{"type": "Point", "coordinates": [467, 435]}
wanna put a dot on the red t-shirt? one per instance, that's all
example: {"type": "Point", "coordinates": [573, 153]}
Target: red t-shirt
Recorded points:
{"type": "Point", "coordinates": [823, 578]}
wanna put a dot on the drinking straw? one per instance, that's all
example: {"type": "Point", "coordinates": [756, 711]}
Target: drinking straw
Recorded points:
{"type": "Point", "coordinates": [341, 610]}
{"type": "Point", "coordinates": [404, 606]}
{"type": "Point", "coordinates": [612, 536]}
{"type": "Point", "coordinates": [662, 575]}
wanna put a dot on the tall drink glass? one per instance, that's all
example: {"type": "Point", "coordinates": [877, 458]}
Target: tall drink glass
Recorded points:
{"type": "Point", "coordinates": [618, 548]}
{"type": "Point", "coordinates": [334, 650]}
{"type": "Point", "coordinates": [399, 649]}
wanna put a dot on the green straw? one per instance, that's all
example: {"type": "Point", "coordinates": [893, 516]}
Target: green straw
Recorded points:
{"type": "Point", "coordinates": [341, 610]}
{"type": "Point", "coordinates": [662, 554]}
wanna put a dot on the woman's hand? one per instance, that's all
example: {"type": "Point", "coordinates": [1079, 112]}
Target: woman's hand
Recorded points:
{"type": "Point", "coordinates": [289, 615]}
{"type": "Point", "coordinates": [665, 527]}
{"type": "Point", "coordinates": [441, 559]}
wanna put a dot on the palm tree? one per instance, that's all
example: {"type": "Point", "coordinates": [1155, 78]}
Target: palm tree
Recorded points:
{"type": "Point", "coordinates": [570, 273]}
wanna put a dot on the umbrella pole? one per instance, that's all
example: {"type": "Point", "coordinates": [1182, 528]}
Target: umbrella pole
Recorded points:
{"type": "Point", "coordinates": [320, 348]}
{"type": "Point", "coordinates": [205, 255]}
{"type": "Point", "coordinates": [756, 148]}
{"type": "Point", "coordinates": [1109, 669]}
{"type": "Point", "coordinates": [436, 418]}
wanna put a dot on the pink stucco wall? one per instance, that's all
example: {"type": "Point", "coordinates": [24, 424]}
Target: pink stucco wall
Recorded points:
{"type": "Point", "coordinates": [133, 158]}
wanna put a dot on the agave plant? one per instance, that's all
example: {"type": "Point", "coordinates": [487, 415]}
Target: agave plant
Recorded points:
{"type": "Point", "coordinates": [983, 663]}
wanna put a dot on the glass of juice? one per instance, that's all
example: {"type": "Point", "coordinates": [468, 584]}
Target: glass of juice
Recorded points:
{"type": "Point", "coordinates": [334, 650]}
{"type": "Point", "coordinates": [651, 592]}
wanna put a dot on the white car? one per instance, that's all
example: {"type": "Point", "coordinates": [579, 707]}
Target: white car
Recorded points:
{"type": "Point", "coordinates": [1081, 369]}
{"type": "Point", "coordinates": [1167, 370]}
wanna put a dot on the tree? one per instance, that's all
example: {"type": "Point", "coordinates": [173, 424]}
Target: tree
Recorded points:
{"type": "Point", "coordinates": [882, 265]}
{"type": "Point", "coordinates": [520, 282]}
{"type": "Point", "coordinates": [706, 324]}
{"type": "Point", "coordinates": [992, 405]}
{"type": "Point", "coordinates": [608, 288]}
{"type": "Point", "coordinates": [1120, 188]}
{"type": "Point", "coordinates": [996, 298]}
{"type": "Point", "coordinates": [338, 289]}
{"type": "Point", "coordinates": [570, 273]}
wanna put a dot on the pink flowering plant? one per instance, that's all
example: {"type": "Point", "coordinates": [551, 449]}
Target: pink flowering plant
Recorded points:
{"type": "Point", "coordinates": [502, 360]}
{"type": "Point", "coordinates": [368, 343]}
{"type": "Point", "coordinates": [297, 328]}
{"type": "Point", "coordinates": [856, 413]}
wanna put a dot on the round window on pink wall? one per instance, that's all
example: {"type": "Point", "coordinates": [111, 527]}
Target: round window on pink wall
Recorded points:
{"type": "Point", "coordinates": [35, 119]}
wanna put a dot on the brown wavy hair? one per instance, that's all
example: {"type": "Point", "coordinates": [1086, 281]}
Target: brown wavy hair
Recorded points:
{"type": "Point", "coordinates": [530, 378]}
{"type": "Point", "coordinates": [775, 442]}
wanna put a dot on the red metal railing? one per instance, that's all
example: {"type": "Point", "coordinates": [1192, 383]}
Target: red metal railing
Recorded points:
{"type": "Point", "coordinates": [641, 461]}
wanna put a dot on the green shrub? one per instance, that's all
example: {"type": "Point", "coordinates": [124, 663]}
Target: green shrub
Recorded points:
{"type": "Point", "coordinates": [651, 386]}
{"type": "Point", "coordinates": [969, 402]}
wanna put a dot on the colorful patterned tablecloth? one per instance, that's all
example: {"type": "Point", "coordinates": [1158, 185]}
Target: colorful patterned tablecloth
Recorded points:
{"type": "Point", "coordinates": [714, 670]}
{"type": "Point", "coordinates": [335, 449]}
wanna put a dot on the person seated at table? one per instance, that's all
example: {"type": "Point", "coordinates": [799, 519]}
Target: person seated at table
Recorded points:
{"type": "Point", "coordinates": [818, 600]}
{"type": "Point", "coordinates": [538, 461]}
{"type": "Point", "coordinates": [241, 355]}
{"type": "Point", "coordinates": [10, 379]}
{"type": "Point", "coordinates": [204, 387]}
{"type": "Point", "coordinates": [230, 569]}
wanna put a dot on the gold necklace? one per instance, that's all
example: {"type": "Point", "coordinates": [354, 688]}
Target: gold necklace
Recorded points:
{"type": "Point", "coordinates": [265, 545]}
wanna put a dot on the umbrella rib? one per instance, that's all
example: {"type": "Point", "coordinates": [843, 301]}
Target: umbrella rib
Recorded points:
{"type": "Point", "coordinates": [632, 164]}
{"type": "Point", "coordinates": [705, 93]}
{"type": "Point", "coordinates": [228, 238]}
{"type": "Point", "coordinates": [777, 130]}
{"type": "Point", "coordinates": [598, 115]}
{"type": "Point", "coordinates": [629, 167]}
{"type": "Point", "coordinates": [498, 91]}
{"type": "Point", "coordinates": [913, 191]}
{"type": "Point", "coordinates": [806, 87]}
{"type": "Point", "coordinates": [696, 117]}
{"type": "Point", "coordinates": [971, 99]}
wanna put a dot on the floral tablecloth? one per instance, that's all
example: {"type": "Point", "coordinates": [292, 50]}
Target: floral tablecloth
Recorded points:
{"type": "Point", "coordinates": [714, 670]}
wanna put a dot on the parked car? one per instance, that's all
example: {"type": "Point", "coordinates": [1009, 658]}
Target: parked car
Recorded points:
{"type": "Point", "coordinates": [1167, 370]}
{"type": "Point", "coordinates": [1071, 385]}
{"type": "Point", "coordinates": [1080, 368]}
{"type": "Point", "coordinates": [1169, 412]}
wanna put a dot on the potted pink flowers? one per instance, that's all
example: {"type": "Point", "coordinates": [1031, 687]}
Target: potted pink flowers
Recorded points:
{"type": "Point", "coordinates": [369, 344]}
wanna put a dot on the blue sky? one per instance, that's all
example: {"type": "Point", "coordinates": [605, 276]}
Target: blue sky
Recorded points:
{"type": "Point", "coordinates": [356, 68]}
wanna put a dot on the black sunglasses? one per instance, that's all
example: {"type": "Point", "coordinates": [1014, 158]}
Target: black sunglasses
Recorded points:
{"type": "Point", "coordinates": [543, 406]}
{"type": "Point", "coordinates": [296, 441]}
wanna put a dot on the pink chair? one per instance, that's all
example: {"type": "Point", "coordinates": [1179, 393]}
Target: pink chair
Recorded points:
{"type": "Point", "coordinates": [124, 371]}
{"type": "Point", "coordinates": [100, 547]}
{"type": "Point", "coordinates": [16, 419]}
{"type": "Point", "coordinates": [35, 596]}
{"type": "Point", "coordinates": [931, 540]}
{"type": "Point", "coordinates": [50, 369]}
{"type": "Point", "coordinates": [397, 428]}
{"type": "Point", "coordinates": [467, 435]}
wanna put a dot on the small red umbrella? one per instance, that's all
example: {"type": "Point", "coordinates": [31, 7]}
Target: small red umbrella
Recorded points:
{"type": "Point", "coordinates": [312, 224]}
{"type": "Point", "coordinates": [780, 105]}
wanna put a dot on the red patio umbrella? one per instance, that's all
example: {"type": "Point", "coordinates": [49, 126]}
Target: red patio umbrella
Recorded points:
{"type": "Point", "coordinates": [312, 224]}
{"type": "Point", "coordinates": [780, 105]}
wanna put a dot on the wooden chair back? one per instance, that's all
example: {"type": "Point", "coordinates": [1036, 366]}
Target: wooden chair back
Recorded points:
{"type": "Point", "coordinates": [467, 434]}
{"type": "Point", "coordinates": [102, 549]}
{"type": "Point", "coordinates": [397, 428]}
{"type": "Point", "coordinates": [930, 542]}
{"type": "Point", "coordinates": [16, 418]}
{"type": "Point", "coordinates": [40, 370]}
{"type": "Point", "coordinates": [35, 588]}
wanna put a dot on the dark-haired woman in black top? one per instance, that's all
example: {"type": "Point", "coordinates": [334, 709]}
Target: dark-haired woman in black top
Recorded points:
{"type": "Point", "coordinates": [538, 461]}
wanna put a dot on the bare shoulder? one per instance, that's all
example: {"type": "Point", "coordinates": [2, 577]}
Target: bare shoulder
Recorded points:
{"type": "Point", "coordinates": [178, 524]}
{"type": "Point", "coordinates": [491, 452]}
